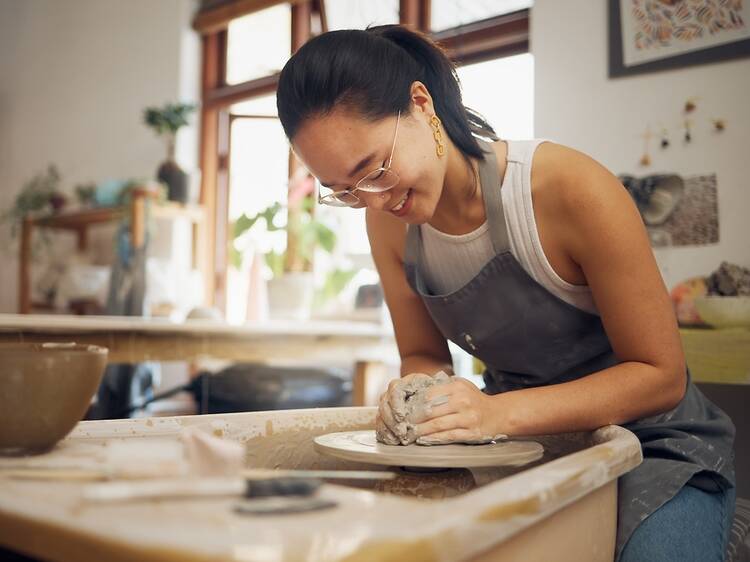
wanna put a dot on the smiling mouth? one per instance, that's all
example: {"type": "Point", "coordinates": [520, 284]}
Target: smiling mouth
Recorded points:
{"type": "Point", "coordinates": [400, 205]}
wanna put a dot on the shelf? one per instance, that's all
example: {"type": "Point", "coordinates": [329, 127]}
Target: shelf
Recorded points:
{"type": "Point", "coordinates": [81, 219]}
{"type": "Point", "coordinates": [142, 206]}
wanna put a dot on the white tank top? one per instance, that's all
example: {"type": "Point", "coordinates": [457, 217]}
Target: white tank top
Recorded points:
{"type": "Point", "coordinates": [451, 261]}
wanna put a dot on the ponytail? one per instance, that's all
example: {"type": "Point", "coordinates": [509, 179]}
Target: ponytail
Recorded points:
{"type": "Point", "coordinates": [371, 71]}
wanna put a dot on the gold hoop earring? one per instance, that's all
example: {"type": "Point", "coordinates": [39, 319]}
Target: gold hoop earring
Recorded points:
{"type": "Point", "coordinates": [437, 135]}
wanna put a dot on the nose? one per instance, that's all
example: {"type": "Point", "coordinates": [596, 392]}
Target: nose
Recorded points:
{"type": "Point", "coordinates": [376, 201]}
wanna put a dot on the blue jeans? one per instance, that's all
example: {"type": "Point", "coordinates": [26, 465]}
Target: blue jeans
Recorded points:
{"type": "Point", "coordinates": [692, 526]}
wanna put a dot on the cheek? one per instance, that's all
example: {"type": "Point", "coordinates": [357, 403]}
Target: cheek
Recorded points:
{"type": "Point", "coordinates": [421, 173]}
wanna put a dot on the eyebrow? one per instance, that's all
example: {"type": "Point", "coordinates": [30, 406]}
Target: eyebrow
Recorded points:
{"type": "Point", "coordinates": [362, 163]}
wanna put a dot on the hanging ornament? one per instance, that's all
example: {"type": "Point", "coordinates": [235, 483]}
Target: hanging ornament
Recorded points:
{"type": "Point", "coordinates": [719, 125]}
{"type": "Point", "coordinates": [664, 143]}
{"type": "Point", "coordinates": [688, 134]}
{"type": "Point", "coordinates": [646, 158]}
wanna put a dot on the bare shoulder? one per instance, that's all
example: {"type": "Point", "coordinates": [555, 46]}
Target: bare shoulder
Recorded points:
{"type": "Point", "coordinates": [582, 203]}
{"type": "Point", "coordinates": [567, 178]}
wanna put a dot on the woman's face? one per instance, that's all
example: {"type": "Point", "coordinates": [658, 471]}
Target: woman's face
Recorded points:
{"type": "Point", "coordinates": [341, 148]}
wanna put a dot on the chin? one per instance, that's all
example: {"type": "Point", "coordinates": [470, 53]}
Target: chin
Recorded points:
{"type": "Point", "coordinates": [423, 209]}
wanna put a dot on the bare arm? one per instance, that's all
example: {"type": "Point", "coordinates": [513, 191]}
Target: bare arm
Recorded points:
{"type": "Point", "coordinates": [602, 231]}
{"type": "Point", "coordinates": [600, 234]}
{"type": "Point", "coordinates": [422, 347]}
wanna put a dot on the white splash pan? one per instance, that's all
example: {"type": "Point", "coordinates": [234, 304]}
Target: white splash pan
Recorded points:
{"type": "Point", "coordinates": [561, 509]}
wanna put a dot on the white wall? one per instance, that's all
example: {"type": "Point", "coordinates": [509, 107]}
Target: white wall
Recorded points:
{"type": "Point", "coordinates": [75, 76]}
{"type": "Point", "coordinates": [577, 105]}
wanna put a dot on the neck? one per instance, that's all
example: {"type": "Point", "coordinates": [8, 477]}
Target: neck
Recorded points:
{"type": "Point", "coordinates": [460, 208]}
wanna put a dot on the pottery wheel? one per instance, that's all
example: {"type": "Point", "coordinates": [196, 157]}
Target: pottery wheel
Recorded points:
{"type": "Point", "coordinates": [361, 446]}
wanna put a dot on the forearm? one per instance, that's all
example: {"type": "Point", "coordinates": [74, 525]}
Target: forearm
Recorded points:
{"type": "Point", "coordinates": [424, 364]}
{"type": "Point", "coordinates": [623, 393]}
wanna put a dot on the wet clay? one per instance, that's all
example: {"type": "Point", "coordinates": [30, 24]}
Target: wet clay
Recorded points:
{"type": "Point", "coordinates": [410, 407]}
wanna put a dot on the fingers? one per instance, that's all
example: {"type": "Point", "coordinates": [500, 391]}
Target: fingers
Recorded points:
{"type": "Point", "coordinates": [441, 424]}
{"type": "Point", "coordinates": [384, 433]}
{"type": "Point", "coordinates": [445, 437]}
{"type": "Point", "coordinates": [446, 399]}
{"type": "Point", "coordinates": [455, 386]}
{"type": "Point", "coordinates": [385, 412]}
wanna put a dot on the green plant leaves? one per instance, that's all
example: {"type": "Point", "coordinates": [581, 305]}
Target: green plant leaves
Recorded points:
{"type": "Point", "coordinates": [308, 232]}
{"type": "Point", "coordinates": [335, 282]}
{"type": "Point", "coordinates": [169, 118]}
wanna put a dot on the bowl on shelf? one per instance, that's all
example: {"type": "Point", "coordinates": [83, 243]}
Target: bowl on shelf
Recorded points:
{"type": "Point", "coordinates": [46, 390]}
{"type": "Point", "coordinates": [724, 312]}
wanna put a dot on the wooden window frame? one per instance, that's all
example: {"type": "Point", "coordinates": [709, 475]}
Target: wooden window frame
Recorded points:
{"type": "Point", "coordinates": [467, 44]}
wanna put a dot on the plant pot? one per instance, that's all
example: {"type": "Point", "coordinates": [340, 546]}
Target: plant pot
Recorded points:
{"type": "Point", "coordinates": [290, 296]}
{"type": "Point", "coordinates": [176, 179]}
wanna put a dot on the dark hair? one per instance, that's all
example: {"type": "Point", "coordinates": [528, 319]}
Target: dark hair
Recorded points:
{"type": "Point", "coordinates": [371, 71]}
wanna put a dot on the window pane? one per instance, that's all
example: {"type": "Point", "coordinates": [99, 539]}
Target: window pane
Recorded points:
{"type": "Point", "coordinates": [259, 165]}
{"type": "Point", "coordinates": [259, 44]}
{"type": "Point", "coordinates": [358, 14]}
{"type": "Point", "coordinates": [502, 90]}
{"type": "Point", "coordinates": [452, 13]}
{"type": "Point", "coordinates": [265, 105]}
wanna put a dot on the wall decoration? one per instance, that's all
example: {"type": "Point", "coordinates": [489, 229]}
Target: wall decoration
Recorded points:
{"type": "Point", "coordinates": [677, 211]}
{"type": "Point", "coordinates": [684, 126]}
{"type": "Point", "coordinates": [653, 35]}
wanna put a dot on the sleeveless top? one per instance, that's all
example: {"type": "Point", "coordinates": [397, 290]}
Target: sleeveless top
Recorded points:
{"type": "Point", "coordinates": [451, 260]}
{"type": "Point", "coordinates": [526, 336]}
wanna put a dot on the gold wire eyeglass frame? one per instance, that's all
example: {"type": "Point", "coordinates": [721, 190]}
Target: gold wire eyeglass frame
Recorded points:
{"type": "Point", "coordinates": [347, 197]}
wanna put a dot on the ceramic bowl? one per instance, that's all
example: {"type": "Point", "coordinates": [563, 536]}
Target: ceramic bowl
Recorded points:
{"type": "Point", "coordinates": [724, 312]}
{"type": "Point", "coordinates": [46, 389]}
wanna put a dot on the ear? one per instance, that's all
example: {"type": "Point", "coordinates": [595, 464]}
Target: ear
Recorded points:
{"type": "Point", "coordinates": [421, 99]}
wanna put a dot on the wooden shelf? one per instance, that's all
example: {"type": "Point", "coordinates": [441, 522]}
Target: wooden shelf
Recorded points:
{"type": "Point", "coordinates": [87, 217]}
{"type": "Point", "coordinates": [138, 211]}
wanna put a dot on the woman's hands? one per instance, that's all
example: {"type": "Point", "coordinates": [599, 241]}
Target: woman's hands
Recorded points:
{"type": "Point", "coordinates": [459, 412]}
{"type": "Point", "coordinates": [455, 411]}
{"type": "Point", "coordinates": [392, 425]}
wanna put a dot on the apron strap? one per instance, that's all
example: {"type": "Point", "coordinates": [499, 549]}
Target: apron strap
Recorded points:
{"type": "Point", "coordinates": [413, 246]}
{"type": "Point", "coordinates": [490, 180]}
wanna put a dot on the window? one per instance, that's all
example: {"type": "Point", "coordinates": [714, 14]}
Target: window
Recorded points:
{"type": "Point", "coordinates": [244, 155]}
{"type": "Point", "coordinates": [268, 32]}
{"type": "Point", "coordinates": [359, 14]}
{"type": "Point", "coordinates": [259, 157]}
{"type": "Point", "coordinates": [446, 14]}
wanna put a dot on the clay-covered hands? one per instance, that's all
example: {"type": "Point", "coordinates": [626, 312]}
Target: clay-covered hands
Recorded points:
{"type": "Point", "coordinates": [403, 405]}
{"type": "Point", "coordinates": [433, 410]}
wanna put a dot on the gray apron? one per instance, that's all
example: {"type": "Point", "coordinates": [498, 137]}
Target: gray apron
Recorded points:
{"type": "Point", "coordinates": [528, 337]}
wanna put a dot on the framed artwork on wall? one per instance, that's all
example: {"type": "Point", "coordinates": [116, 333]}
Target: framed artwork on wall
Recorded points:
{"type": "Point", "coordinates": [653, 35]}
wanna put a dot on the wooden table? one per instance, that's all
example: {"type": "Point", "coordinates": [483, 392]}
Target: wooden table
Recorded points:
{"type": "Point", "coordinates": [135, 339]}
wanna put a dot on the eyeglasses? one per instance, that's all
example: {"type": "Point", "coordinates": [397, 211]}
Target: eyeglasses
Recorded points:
{"type": "Point", "coordinates": [376, 181]}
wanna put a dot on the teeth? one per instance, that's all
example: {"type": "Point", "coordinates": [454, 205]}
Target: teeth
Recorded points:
{"type": "Point", "coordinates": [401, 203]}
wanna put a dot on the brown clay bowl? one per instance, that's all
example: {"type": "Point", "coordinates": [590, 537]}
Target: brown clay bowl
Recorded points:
{"type": "Point", "coordinates": [45, 389]}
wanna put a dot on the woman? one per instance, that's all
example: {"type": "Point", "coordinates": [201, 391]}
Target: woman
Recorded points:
{"type": "Point", "coordinates": [530, 256]}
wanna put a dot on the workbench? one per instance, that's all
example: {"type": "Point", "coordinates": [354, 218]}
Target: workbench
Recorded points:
{"type": "Point", "coordinates": [369, 346]}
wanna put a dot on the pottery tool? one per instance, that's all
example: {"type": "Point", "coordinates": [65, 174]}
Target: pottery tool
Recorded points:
{"type": "Point", "coordinates": [263, 483]}
{"type": "Point", "coordinates": [84, 473]}
{"type": "Point", "coordinates": [362, 446]}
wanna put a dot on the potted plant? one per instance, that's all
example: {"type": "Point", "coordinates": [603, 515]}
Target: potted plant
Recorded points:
{"type": "Point", "coordinates": [38, 196]}
{"type": "Point", "coordinates": [291, 290]}
{"type": "Point", "coordinates": [166, 121]}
